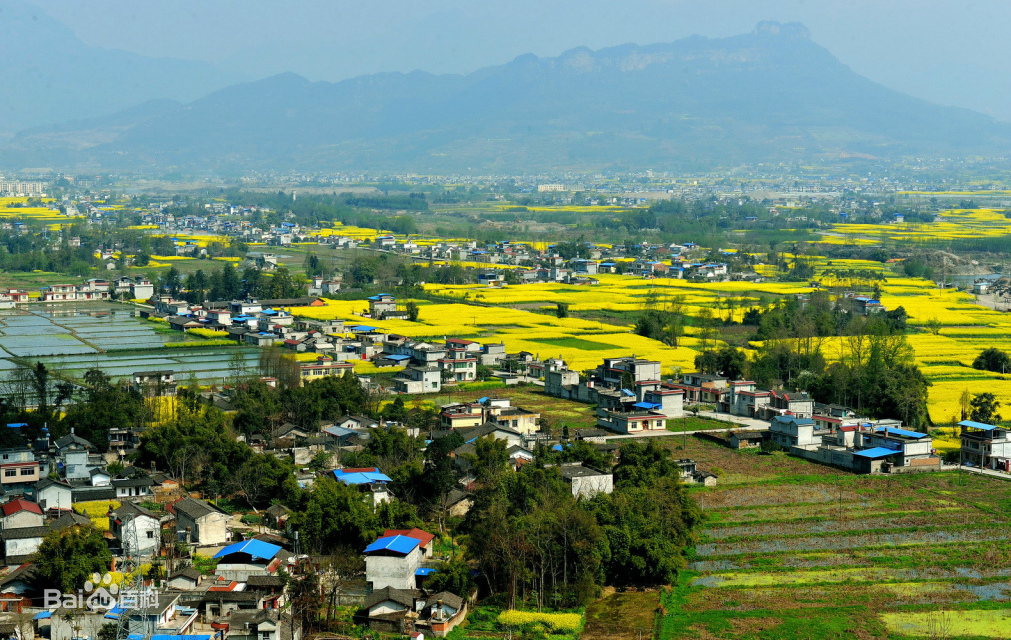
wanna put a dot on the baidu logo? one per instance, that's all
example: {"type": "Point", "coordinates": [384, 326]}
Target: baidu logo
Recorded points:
{"type": "Point", "coordinates": [100, 593]}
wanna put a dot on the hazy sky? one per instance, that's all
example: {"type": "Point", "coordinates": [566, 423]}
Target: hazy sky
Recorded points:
{"type": "Point", "coordinates": [952, 52]}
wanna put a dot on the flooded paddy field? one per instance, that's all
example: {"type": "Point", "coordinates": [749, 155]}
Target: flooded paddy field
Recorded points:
{"type": "Point", "coordinates": [74, 337]}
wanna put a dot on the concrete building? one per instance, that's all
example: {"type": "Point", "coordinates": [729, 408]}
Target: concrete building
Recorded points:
{"type": "Point", "coordinates": [586, 482]}
{"type": "Point", "coordinates": [253, 557]}
{"type": "Point", "coordinates": [986, 445]}
{"type": "Point", "coordinates": [393, 561]}
{"type": "Point", "coordinates": [136, 529]}
{"type": "Point", "coordinates": [204, 523]}
{"type": "Point", "coordinates": [418, 379]}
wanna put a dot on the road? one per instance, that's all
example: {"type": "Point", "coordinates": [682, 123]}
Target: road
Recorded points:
{"type": "Point", "coordinates": [983, 472]}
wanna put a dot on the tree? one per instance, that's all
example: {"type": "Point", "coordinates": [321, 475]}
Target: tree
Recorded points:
{"type": "Point", "coordinates": [992, 359]}
{"type": "Point", "coordinates": [453, 576]}
{"type": "Point", "coordinates": [984, 408]}
{"type": "Point", "coordinates": [67, 558]}
{"type": "Point", "coordinates": [562, 310]}
{"type": "Point", "coordinates": [412, 310]}
{"type": "Point", "coordinates": [933, 326]}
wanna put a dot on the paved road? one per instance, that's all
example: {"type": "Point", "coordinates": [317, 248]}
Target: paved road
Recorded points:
{"type": "Point", "coordinates": [984, 472]}
{"type": "Point", "coordinates": [750, 423]}
{"type": "Point", "coordinates": [672, 434]}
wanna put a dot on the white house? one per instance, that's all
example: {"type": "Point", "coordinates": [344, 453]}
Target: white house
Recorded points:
{"type": "Point", "coordinates": [137, 529]}
{"type": "Point", "coordinates": [392, 561]}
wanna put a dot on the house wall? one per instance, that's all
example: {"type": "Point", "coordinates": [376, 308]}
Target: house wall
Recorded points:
{"type": "Point", "coordinates": [392, 571]}
{"type": "Point", "coordinates": [84, 625]}
{"type": "Point", "coordinates": [143, 531]}
{"type": "Point", "coordinates": [76, 464]}
{"type": "Point", "coordinates": [589, 486]}
{"type": "Point", "coordinates": [22, 546]}
{"type": "Point", "coordinates": [22, 519]}
{"type": "Point", "coordinates": [240, 572]}
{"type": "Point", "coordinates": [210, 529]}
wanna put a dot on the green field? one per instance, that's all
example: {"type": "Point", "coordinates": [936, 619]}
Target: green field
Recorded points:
{"type": "Point", "coordinates": [791, 549]}
{"type": "Point", "coordinates": [574, 343]}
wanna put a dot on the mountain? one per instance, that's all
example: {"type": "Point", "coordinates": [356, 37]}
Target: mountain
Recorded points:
{"type": "Point", "coordinates": [50, 76]}
{"type": "Point", "coordinates": [769, 95]}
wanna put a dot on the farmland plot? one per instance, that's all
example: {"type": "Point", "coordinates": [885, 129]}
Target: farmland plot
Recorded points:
{"type": "Point", "coordinates": [832, 555]}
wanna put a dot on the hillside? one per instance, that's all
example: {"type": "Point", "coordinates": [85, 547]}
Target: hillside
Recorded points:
{"type": "Point", "coordinates": [50, 76]}
{"type": "Point", "coordinates": [769, 95]}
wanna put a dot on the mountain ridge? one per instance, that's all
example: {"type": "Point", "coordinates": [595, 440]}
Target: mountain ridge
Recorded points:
{"type": "Point", "coordinates": [768, 95]}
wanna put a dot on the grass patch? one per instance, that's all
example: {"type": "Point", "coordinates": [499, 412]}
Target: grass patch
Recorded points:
{"type": "Point", "coordinates": [574, 343]}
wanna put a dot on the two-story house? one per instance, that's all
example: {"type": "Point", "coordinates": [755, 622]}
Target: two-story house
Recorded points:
{"type": "Point", "coordinates": [985, 445]}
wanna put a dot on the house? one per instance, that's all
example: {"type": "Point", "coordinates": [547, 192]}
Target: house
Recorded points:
{"type": "Point", "coordinates": [204, 523]}
{"type": "Point", "coordinates": [187, 579]}
{"type": "Point", "coordinates": [370, 481]}
{"type": "Point", "coordinates": [19, 470]}
{"type": "Point", "coordinates": [135, 487]}
{"type": "Point", "coordinates": [418, 379]}
{"type": "Point", "coordinates": [323, 367]}
{"type": "Point", "coordinates": [895, 446]}
{"type": "Point", "coordinates": [461, 415]}
{"type": "Point", "coordinates": [52, 494]}
{"type": "Point", "coordinates": [516, 418]}
{"type": "Point", "coordinates": [19, 513]}
{"type": "Point", "coordinates": [497, 431]}
{"type": "Point", "coordinates": [391, 610]}
{"type": "Point", "coordinates": [631, 422]}
{"type": "Point", "coordinates": [442, 612]}
{"type": "Point", "coordinates": [392, 561]}
{"type": "Point", "coordinates": [384, 306]}
{"type": "Point", "coordinates": [21, 542]}
{"type": "Point", "coordinates": [136, 529]}
{"type": "Point", "coordinates": [253, 557]}
{"type": "Point", "coordinates": [746, 439]}
{"type": "Point", "coordinates": [101, 478]}
{"type": "Point", "coordinates": [153, 384]}
{"type": "Point", "coordinates": [585, 482]}
{"type": "Point", "coordinates": [985, 445]}
{"type": "Point", "coordinates": [425, 540]}
{"type": "Point", "coordinates": [259, 624]}
{"type": "Point", "coordinates": [793, 431]}
{"type": "Point", "coordinates": [73, 452]}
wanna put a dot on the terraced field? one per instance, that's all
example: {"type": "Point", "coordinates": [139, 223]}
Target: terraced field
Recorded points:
{"type": "Point", "coordinates": [807, 552]}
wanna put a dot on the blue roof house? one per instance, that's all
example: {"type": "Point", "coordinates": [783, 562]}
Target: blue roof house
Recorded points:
{"type": "Point", "coordinates": [248, 558]}
{"type": "Point", "coordinates": [393, 561]}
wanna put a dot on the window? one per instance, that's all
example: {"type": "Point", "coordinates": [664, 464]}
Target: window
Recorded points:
{"type": "Point", "coordinates": [10, 473]}
{"type": "Point", "coordinates": [150, 535]}
{"type": "Point", "coordinates": [28, 471]}
{"type": "Point", "coordinates": [264, 635]}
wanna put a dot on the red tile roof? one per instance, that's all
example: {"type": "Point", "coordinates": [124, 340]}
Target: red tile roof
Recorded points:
{"type": "Point", "coordinates": [14, 506]}
{"type": "Point", "coordinates": [423, 537]}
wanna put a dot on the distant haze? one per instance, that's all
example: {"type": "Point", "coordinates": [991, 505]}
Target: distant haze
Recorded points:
{"type": "Point", "coordinates": [950, 52]}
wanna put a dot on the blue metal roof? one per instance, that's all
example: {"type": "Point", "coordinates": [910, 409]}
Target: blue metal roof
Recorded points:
{"type": "Point", "coordinates": [42, 615]}
{"type": "Point", "coordinates": [340, 432]}
{"type": "Point", "coordinates": [978, 425]}
{"type": "Point", "coordinates": [361, 327]}
{"type": "Point", "coordinates": [398, 357]}
{"type": "Point", "coordinates": [646, 405]}
{"type": "Point", "coordinates": [627, 393]}
{"type": "Point", "coordinates": [361, 477]}
{"type": "Point", "coordinates": [794, 419]}
{"type": "Point", "coordinates": [15, 425]}
{"type": "Point", "coordinates": [397, 544]}
{"type": "Point", "coordinates": [902, 432]}
{"type": "Point", "coordinates": [255, 548]}
{"type": "Point", "coordinates": [876, 452]}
